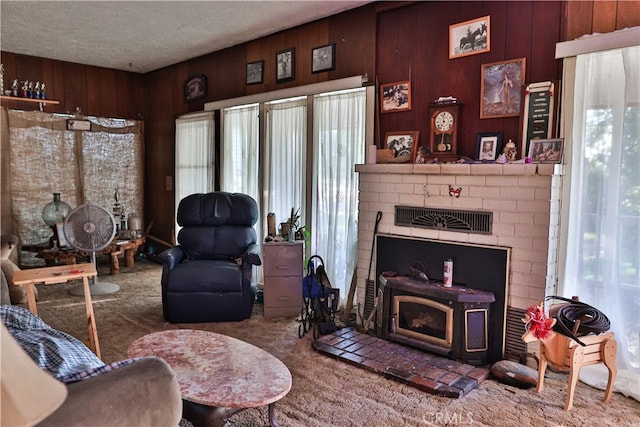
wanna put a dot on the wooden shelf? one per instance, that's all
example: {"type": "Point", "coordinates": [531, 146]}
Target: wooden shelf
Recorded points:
{"type": "Point", "coordinates": [40, 101]}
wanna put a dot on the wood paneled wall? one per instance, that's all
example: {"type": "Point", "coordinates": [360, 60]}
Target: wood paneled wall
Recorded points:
{"type": "Point", "coordinates": [390, 40]}
{"type": "Point", "coordinates": [353, 32]}
{"type": "Point", "coordinates": [589, 17]}
{"type": "Point", "coordinates": [413, 44]}
{"type": "Point", "coordinates": [96, 91]}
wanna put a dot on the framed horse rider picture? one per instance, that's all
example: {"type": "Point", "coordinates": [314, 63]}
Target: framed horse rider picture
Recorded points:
{"type": "Point", "coordinates": [470, 37]}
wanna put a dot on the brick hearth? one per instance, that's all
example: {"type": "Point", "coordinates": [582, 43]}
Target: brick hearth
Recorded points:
{"type": "Point", "coordinates": [427, 372]}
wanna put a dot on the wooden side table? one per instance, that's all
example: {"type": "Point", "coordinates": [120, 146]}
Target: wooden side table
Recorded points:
{"type": "Point", "coordinates": [52, 256]}
{"type": "Point", "coordinates": [62, 274]}
{"type": "Point", "coordinates": [129, 247]}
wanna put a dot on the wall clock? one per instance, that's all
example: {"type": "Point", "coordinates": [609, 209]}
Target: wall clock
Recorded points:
{"type": "Point", "coordinates": [444, 129]}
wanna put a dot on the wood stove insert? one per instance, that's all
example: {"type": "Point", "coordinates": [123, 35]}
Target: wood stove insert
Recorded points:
{"type": "Point", "coordinates": [453, 322]}
{"type": "Point", "coordinates": [483, 268]}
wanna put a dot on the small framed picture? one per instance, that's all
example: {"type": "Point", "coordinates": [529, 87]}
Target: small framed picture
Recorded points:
{"type": "Point", "coordinates": [323, 58]}
{"type": "Point", "coordinates": [401, 145]}
{"type": "Point", "coordinates": [62, 239]}
{"type": "Point", "coordinates": [395, 97]}
{"type": "Point", "coordinates": [501, 85]}
{"type": "Point", "coordinates": [488, 146]}
{"type": "Point", "coordinates": [195, 87]}
{"type": "Point", "coordinates": [255, 72]}
{"type": "Point", "coordinates": [546, 150]}
{"type": "Point", "coordinates": [469, 37]}
{"type": "Point", "coordinates": [285, 65]}
{"type": "Point", "coordinates": [422, 155]}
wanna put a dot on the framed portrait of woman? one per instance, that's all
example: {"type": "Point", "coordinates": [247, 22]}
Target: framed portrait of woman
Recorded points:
{"type": "Point", "coordinates": [501, 88]}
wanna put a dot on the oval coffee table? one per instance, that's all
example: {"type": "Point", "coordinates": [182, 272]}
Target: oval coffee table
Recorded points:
{"type": "Point", "coordinates": [218, 375]}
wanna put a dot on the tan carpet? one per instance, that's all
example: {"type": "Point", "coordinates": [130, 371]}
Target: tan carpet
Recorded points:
{"type": "Point", "coordinates": [327, 392]}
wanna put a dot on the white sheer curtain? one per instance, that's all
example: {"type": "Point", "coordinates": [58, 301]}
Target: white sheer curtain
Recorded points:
{"type": "Point", "coordinates": [240, 160]}
{"type": "Point", "coordinates": [338, 145]}
{"type": "Point", "coordinates": [195, 156]}
{"type": "Point", "coordinates": [286, 170]}
{"type": "Point", "coordinates": [240, 148]}
{"type": "Point", "coordinates": [603, 236]}
{"type": "Point", "coordinates": [285, 159]}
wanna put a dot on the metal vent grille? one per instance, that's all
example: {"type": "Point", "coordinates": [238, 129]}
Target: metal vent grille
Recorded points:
{"type": "Point", "coordinates": [513, 334]}
{"type": "Point", "coordinates": [444, 219]}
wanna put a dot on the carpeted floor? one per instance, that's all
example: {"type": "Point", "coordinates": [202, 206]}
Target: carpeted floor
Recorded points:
{"type": "Point", "coordinates": [326, 391]}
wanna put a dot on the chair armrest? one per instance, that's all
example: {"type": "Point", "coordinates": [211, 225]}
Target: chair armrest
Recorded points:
{"type": "Point", "coordinates": [252, 256]}
{"type": "Point", "coordinates": [143, 393]}
{"type": "Point", "coordinates": [172, 257]}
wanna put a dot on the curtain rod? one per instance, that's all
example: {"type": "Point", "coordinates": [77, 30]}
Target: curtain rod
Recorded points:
{"type": "Point", "coordinates": [312, 89]}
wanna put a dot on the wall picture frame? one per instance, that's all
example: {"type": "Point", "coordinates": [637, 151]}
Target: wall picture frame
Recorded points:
{"type": "Point", "coordinates": [501, 88]}
{"type": "Point", "coordinates": [62, 238]}
{"type": "Point", "coordinates": [395, 97]}
{"type": "Point", "coordinates": [285, 65]}
{"type": "Point", "coordinates": [195, 87]}
{"type": "Point", "coordinates": [546, 150]}
{"type": "Point", "coordinates": [323, 58]}
{"type": "Point", "coordinates": [488, 146]}
{"type": "Point", "coordinates": [402, 145]}
{"type": "Point", "coordinates": [255, 72]}
{"type": "Point", "coordinates": [539, 114]}
{"type": "Point", "coordinates": [470, 37]}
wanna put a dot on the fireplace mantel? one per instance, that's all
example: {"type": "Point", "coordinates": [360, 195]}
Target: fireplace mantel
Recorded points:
{"type": "Point", "coordinates": [492, 169]}
{"type": "Point", "coordinates": [524, 199]}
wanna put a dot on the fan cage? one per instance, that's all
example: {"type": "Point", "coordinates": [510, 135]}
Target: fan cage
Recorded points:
{"type": "Point", "coordinates": [89, 228]}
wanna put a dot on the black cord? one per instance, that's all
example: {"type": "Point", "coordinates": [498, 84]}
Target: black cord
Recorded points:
{"type": "Point", "coordinates": [591, 319]}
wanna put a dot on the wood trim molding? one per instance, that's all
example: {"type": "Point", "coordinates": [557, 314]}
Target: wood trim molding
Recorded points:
{"type": "Point", "coordinates": [598, 42]}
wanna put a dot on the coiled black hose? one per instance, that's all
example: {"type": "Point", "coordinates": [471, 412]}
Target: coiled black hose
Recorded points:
{"type": "Point", "coordinates": [591, 319]}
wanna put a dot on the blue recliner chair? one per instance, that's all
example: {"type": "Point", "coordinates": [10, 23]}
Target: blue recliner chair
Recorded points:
{"type": "Point", "coordinates": [207, 277]}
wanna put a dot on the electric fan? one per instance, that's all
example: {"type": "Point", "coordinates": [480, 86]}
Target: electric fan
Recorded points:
{"type": "Point", "coordinates": [91, 228]}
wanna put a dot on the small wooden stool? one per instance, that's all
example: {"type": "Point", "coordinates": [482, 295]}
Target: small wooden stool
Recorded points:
{"type": "Point", "coordinates": [565, 353]}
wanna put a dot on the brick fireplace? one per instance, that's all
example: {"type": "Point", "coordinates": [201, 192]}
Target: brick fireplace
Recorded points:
{"type": "Point", "coordinates": [524, 202]}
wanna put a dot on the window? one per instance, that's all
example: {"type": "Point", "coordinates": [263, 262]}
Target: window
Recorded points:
{"type": "Point", "coordinates": [285, 159]}
{"type": "Point", "coordinates": [309, 148]}
{"type": "Point", "coordinates": [338, 145]}
{"type": "Point", "coordinates": [240, 131]}
{"type": "Point", "coordinates": [602, 262]}
{"type": "Point", "coordinates": [83, 166]}
{"type": "Point", "coordinates": [195, 157]}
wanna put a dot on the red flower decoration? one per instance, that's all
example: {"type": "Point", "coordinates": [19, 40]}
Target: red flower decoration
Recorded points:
{"type": "Point", "coordinates": [537, 322]}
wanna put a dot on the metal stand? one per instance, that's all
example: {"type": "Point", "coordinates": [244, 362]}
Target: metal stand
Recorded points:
{"type": "Point", "coordinates": [319, 298]}
{"type": "Point", "coordinates": [98, 287]}
{"type": "Point", "coordinates": [318, 310]}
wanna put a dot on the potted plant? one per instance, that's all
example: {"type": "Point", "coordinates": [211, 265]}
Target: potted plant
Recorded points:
{"type": "Point", "coordinates": [303, 233]}
{"type": "Point", "coordinates": [288, 227]}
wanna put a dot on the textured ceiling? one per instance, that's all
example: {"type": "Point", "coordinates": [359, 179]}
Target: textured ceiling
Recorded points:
{"type": "Point", "coordinates": [143, 36]}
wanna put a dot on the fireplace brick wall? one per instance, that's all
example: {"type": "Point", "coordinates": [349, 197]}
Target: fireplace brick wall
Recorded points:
{"type": "Point", "coordinates": [524, 199]}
